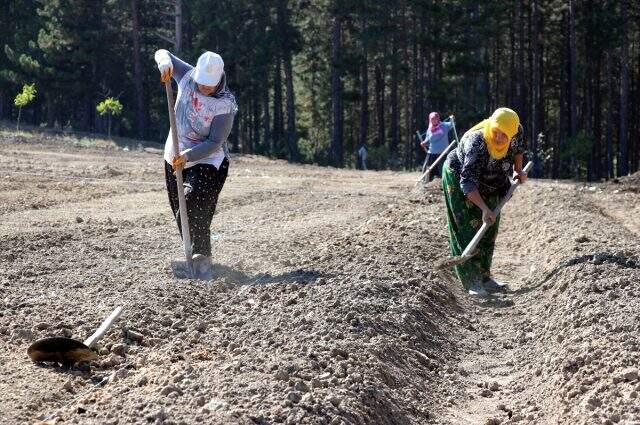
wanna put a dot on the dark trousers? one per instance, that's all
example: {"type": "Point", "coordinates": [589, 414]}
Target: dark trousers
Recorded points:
{"type": "Point", "coordinates": [430, 159]}
{"type": "Point", "coordinates": [202, 185]}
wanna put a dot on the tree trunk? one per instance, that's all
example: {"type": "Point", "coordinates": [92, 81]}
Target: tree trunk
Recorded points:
{"type": "Point", "coordinates": [512, 64]}
{"type": "Point", "coordinates": [395, 139]}
{"type": "Point", "coordinates": [253, 123]}
{"type": "Point", "coordinates": [380, 106]}
{"type": "Point", "coordinates": [96, 23]}
{"type": "Point", "coordinates": [541, 108]}
{"type": "Point", "coordinates": [558, 164]}
{"type": "Point", "coordinates": [336, 154]}
{"type": "Point", "coordinates": [278, 120]}
{"type": "Point", "coordinates": [187, 24]}
{"type": "Point", "coordinates": [407, 134]}
{"type": "Point", "coordinates": [261, 88]}
{"type": "Point", "coordinates": [590, 116]}
{"type": "Point", "coordinates": [560, 143]}
{"type": "Point", "coordinates": [634, 145]}
{"type": "Point", "coordinates": [51, 110]}
{"type": "Point", "coordinates": [573, 75]}
{"type": "Point", "coordinates": [623, 157]}
{"type": "Point", "coordinates": [520, 81]}
{"type": "Point", "coordinates": [414, 151]}
{"type": "Point", "coordinates": [178, 26]}
{"type": "Point", "coordinates": [609, 116]}
{"type": "Point", "coordinates": [18, 123]}
{"type": "Point", "coordinates": [597, 122]}
{"type": "Point", "coordinates": [421, 82]}
{"type": "Point", "coordinates": [267, 137]}
{"type": "Point", "coordinates": [535, 84]}
{"type": "Point", "coordinates": [292, 139]}
{"type": "Point", "coordinates": [141, 110]}
{"type": "Point", "coordinates": [364, 100]}
{"type": "Point", "coordinates": [283, 23]}
{"type": "Point", "coordinates": [244, 121]}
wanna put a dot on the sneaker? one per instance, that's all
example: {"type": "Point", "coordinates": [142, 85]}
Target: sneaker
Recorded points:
{"type": "Point", "coordinates": [478, 290]}
{"type": "Point", "coordinates": [202, 267]}
{"type": "Point", "coordinates": [493, 285]}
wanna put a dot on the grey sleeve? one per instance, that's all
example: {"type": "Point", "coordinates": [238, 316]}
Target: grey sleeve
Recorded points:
{"type": "Point", "coordinates": [180, 67]}
{"type": "Point", "coordinates": [220, 130]}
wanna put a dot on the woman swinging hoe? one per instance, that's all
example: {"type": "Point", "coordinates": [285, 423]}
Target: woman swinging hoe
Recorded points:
{"type": "Point", "coordinates": [205, 109]}
{"type": "Point", "coordinates": [476, 176]}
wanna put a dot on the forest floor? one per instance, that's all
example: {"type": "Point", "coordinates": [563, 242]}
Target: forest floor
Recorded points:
{"type": "Point", "coordinates": [326, 307]}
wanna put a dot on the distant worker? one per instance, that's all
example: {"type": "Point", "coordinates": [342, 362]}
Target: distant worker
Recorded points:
{"type": "Point", "coordinates": [361, 163]}
{"type": "Point", "coordinates": [476, 176]}
{"type": "Point", "coordinates": [435, 141]}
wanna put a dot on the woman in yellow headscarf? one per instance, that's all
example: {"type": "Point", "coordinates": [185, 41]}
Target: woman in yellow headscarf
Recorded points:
{"type": "Point", "coordinates": [475, 177]}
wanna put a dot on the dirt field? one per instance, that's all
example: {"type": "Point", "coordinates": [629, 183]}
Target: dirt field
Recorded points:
{"type": "Point", "coordinates": [326, 307]}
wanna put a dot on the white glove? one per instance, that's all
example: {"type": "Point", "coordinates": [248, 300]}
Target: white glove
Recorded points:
{"type": "Point", "coordinates": [165, 66]}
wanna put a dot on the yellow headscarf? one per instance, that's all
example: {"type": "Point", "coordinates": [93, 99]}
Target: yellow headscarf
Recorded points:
{"type": "Point", "coordinates": [503, 119]}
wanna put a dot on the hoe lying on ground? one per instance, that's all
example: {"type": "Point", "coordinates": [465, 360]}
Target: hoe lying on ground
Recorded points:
{"type": "Point", "coordinates": [68, 351]}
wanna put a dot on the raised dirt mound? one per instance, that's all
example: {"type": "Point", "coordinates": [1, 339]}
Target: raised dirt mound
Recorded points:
{"type": "Point", "coordinates": [325, 308]}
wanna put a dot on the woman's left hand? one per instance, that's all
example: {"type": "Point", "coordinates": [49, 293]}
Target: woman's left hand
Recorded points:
{"type": "Point", "coordinates": [179, 162]}
{"type": "Point", "coordinates": [520, 175]}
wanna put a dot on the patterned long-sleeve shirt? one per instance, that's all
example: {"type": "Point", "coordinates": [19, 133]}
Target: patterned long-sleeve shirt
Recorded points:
{"type": "Point", "coordinates": [203, 122]}
{"type": "Point", "coordinates": [475, 169]}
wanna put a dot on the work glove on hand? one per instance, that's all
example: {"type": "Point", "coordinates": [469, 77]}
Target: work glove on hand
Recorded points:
{"type": "Point", "coordinates": [165, 66]}
{"type": "Point", "coordinates": [166, 71]}
{"type": "Point", "coordinates": [178, 162]}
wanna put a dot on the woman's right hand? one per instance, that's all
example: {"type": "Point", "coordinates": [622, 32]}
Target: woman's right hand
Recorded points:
{"type": "Point", "coordinates": [179, 162]}
{"type": "Point", "coordinates": [488, 216]}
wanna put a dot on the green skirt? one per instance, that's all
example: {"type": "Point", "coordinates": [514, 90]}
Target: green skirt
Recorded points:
{"type": "Point", "coordinates": [464, 219]}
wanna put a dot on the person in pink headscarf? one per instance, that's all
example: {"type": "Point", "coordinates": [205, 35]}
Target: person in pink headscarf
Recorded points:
{"type": "Point", "coordinates": [435, 141]}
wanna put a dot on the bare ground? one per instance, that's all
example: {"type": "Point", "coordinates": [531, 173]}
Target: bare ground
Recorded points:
{"type": "Point", "coordinates": [326, 307]}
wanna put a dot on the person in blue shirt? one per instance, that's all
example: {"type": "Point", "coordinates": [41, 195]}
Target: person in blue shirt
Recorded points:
{"type": "Point", "coordinates": [435, 141]}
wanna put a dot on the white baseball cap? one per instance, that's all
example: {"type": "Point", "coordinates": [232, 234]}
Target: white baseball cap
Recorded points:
{"type": "Point", "coordinates": [209, 69]}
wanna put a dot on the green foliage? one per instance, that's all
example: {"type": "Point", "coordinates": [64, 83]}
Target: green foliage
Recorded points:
{"type": "Point", "coordinates": [22, 99]}
{"type": "Point", "coordinates": [26, 96]}
{"type": "Point", "coordinates": [459, 57]}
{"type": "Point", "coordinates": [109, 106]}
